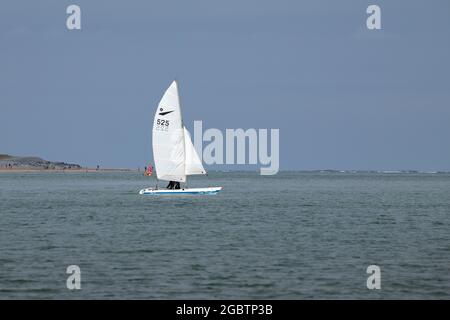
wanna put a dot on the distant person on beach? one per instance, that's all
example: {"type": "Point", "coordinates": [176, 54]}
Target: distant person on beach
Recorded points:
{"type": "Point", "coordinates": [148, 170]}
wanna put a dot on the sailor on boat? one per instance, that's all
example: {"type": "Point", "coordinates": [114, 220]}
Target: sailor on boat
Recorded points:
{"type": "Point", "coordinates": [173, 185]}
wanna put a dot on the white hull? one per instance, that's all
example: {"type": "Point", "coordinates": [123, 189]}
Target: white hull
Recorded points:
{"type": "Point", "coordinates": [188, 191]}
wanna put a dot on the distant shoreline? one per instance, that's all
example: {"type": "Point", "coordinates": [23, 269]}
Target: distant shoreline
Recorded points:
{"type": "Point", "coordinates": [77, 170]}
{"type": "Point", "coordinates": [20, 164]}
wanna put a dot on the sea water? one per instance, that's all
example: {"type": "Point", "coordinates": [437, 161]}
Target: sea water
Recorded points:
{"type": "Point", "coordinates": [295, 235]}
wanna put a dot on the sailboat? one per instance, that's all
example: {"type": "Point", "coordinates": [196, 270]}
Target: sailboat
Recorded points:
{"type": "Point", "coordinates": [173, 152]}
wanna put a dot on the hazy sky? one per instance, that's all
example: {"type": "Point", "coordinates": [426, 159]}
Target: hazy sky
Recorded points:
{"type": "Point", "coordinates": [343, 97]}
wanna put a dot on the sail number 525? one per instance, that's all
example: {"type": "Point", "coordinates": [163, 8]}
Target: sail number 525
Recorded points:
{"type": "Point", "coordinates": [162, 125]}
{"type": "Point", "coordinates": [162, 122]}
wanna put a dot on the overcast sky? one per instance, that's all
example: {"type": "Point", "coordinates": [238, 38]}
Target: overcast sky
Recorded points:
{"type": "Point", "coordinates": [343, 97]}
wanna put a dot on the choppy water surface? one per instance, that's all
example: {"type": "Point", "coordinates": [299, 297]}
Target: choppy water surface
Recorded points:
{"type": "Point", "coordinates": [291, 236]}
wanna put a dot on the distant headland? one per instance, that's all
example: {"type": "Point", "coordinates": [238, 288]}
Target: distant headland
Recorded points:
{"type": "Point", "coordinates": [9, 163]}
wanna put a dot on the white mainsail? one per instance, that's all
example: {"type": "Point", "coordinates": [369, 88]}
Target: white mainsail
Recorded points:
{"type": "Point", "coordinates": [174, 154]}
{"type": "Point", "coordinates": [168, 138]}
{"type": "Point", "coordinates": [193, 163]}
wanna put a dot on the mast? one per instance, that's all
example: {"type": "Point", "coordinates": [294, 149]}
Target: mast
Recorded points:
{"type": "Point", "coordinates": [182, 126]}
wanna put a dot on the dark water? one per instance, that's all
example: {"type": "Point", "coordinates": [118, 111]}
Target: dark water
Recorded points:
{"type": "Point", "coordinates": [292, 236]}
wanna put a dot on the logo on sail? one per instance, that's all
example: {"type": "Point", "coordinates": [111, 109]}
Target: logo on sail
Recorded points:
{"type": "Point", "coordinates": [165, 112]}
